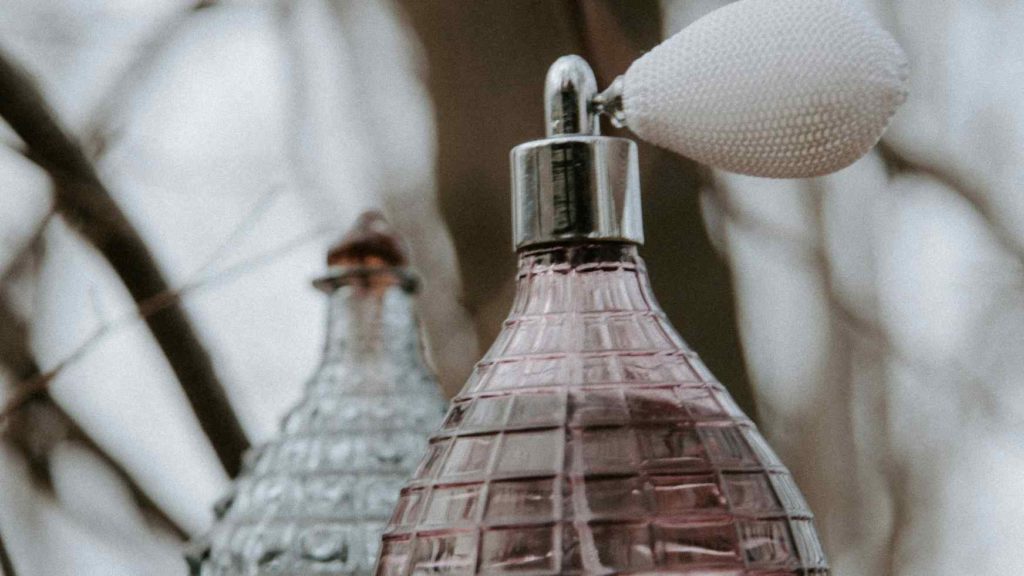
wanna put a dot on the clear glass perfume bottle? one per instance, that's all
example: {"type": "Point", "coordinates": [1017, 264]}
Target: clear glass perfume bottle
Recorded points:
{"type": "Point", "coordinates": [591, 439]}
{"type": "Point", "coordinates": [315, 499]}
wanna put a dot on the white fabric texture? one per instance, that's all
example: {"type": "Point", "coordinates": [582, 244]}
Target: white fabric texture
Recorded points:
{"type": "Point", "coordinates": [775, 88]}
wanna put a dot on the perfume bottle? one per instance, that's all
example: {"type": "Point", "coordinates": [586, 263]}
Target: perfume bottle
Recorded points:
{"type": "Point", "coordinates": [315, 500]}
{"type": "Point", "coordinates": [590, 439]}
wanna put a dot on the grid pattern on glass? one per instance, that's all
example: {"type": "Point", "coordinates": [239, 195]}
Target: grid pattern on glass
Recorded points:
{"type": "Point", "coordinates": [591, 440]}
{"type": "Point", "coordinates": [315, 499]}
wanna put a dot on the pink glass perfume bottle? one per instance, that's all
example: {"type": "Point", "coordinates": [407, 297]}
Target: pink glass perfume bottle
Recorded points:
{"type": "Point", "coordinates": [591, 439]}
{"type": "Point", "coordinates": [315, 499]}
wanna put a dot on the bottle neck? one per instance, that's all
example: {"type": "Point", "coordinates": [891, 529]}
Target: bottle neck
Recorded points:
{"type": "Point", "coordinates": [371, 327]}
{"type": "Point", "coordinates": [373, 374]}
{"type": "Point", "coordinates": [580, 253]}
{"type": "Point", "coordinates": [583, 277]}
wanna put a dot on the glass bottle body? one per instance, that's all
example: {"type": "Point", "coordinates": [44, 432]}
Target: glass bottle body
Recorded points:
{"type": "Point", "coordinates": [591, 440]}
{"type": "Point", "coordinates": [315, 499]}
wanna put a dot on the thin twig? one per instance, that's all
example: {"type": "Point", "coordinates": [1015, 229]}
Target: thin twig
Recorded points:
{"type": "Point", "coordinates": [6, 564]}
{"type": "Point", "coordinates": [29, 388]}
{"type": "Point", "coordinates": [44, 413]}
{"type": "Point", "coordinates": [898, 162]}
{"type": "Point", "coordinates": [102, 127]}
{"type": "Point", "coordinates": [26, 250]}
{"type": "Point", "coordinates": [86, 203]}
{"type": "Point", "coordinates": [812, 252]}
{"type": "Point", "coordinates": [250, 219]}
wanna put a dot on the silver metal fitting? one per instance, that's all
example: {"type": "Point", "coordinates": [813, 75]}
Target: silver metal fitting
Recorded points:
{"type": "Point", "coordinates": [575, 185]}
{"type": "Point", "coordinates": [610, 102]}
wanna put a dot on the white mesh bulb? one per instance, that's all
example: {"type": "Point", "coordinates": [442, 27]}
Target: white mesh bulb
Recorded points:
{"type": "Point", "coordinates": [776, 88]}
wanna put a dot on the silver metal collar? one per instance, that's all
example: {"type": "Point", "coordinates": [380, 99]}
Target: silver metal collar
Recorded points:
{"type": "Point", "coordinates": [575, 185]}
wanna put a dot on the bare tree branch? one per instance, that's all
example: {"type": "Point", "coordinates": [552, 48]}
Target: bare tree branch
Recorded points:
{"type": "Point", "coordinates": [244, 226]}
{"type": "Point", "coordinates": [102, 128]}
{"type": "Point", "coordinates": [6, 564]}
{"type": "Point", "coordinates": [83, 199]}
{"type": "Point", "coordinates": [37, 428]}
{"type": "Point", "coordinates": [14, 352]}
{"type": "Point", "coordinates": [38, 383]}
{"type": "Point", "coordinates": [40, 424]}
{"type": "Point", "coordinates": [897, 162]}
{"type": "Point", "coordinates": [26, 250]}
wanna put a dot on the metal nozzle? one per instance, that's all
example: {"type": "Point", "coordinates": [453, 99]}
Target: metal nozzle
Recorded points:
{"type": "Point", "coordinates": [569, 88]}
{"type": "Point", "coordinates": [575, 185]}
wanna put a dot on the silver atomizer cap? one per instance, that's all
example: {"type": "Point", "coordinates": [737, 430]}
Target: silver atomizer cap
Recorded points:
{"type": "Point", "coordinates": [574, 185]}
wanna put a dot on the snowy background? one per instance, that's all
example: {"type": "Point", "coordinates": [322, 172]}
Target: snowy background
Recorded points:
{"type": "Point", "coordinates": [873, 320]}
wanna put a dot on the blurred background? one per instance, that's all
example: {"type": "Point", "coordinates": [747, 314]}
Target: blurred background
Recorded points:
{"type": "Point", "coordinates": [172, 172]}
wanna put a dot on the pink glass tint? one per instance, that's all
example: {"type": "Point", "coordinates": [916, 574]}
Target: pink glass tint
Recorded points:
{"type": "Point", "coordinates": [591, 440]}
